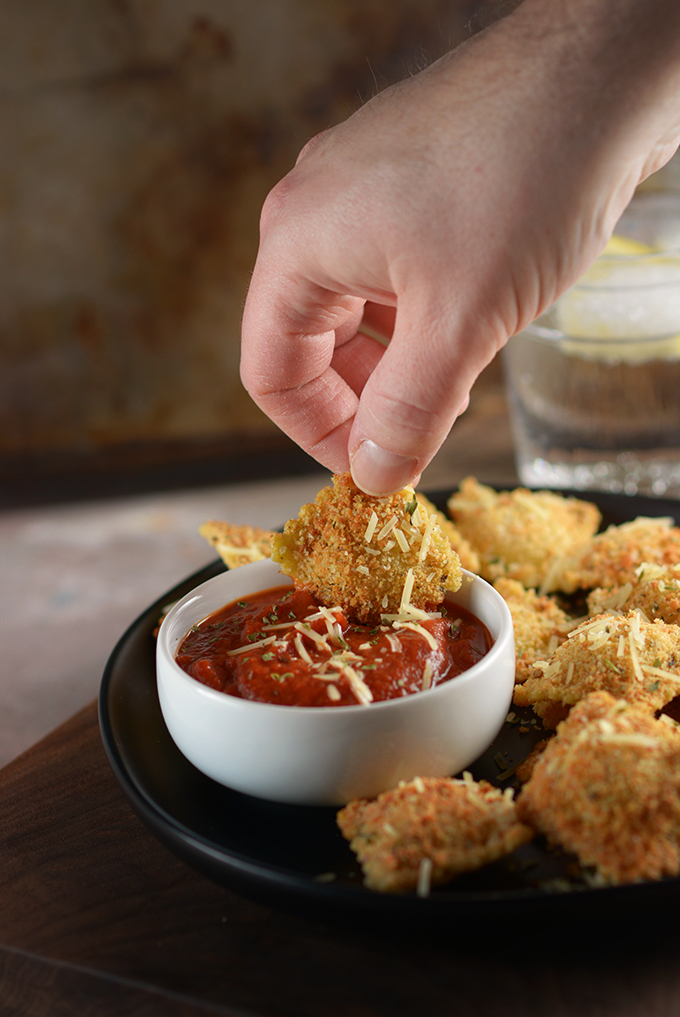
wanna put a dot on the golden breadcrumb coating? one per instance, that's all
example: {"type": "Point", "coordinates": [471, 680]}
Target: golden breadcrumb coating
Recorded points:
{"type": "Point", "coordinates": [630, 658]}
{"type": "Point", "coordinates": [521, 534]}
{"type": "Point", "coordinates": [358, 552]}
{"type": "Point", "coordinates": [237, 545]}
{"type": "Point", "coordinates": [655, 591]}
{"type": "Point", "coordinates": [607, 789]}
{"type": "Point", "coordinates": [524, 770]}
{"type": "Point", "coordinates": [426, 832]}
{"type": "Point", "coordinates": [469, 558]}
{"type": "Point", "coordinates": [540, 625]}
{"type": "Point", "coordinates": [612, 557]}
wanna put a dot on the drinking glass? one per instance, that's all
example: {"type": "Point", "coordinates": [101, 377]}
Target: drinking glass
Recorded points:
{"type": "Point", "coordinates": [594, 383]}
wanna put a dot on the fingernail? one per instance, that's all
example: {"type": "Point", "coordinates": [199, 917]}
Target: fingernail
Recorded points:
{"type": "Point", "coordinates": [377, 471]}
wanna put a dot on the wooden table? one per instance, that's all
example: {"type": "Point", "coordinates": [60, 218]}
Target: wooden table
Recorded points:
{"type": "Point", "coordinates": [98, 918]}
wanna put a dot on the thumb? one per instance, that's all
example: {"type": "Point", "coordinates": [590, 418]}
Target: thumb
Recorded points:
{"type": "Point", "coordinates": [409, 404]}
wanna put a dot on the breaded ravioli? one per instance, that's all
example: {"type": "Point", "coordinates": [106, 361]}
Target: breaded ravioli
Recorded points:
{"type": "Point", "coordinates": [521, 534]}
{"type": "Point", "coordinates": [369, 556]}
{"type": "Point", "coordinates": [425, 832]}
{"type": "Point", "coordinates": [655, 591]}
{"type": "Point", "coordinates": [607, 789]}
{"type": "Point", "coordinates": [469, 558]}
{"type": "Point", "coordinates": [624, 655]}
{"type": "Point", "coordinates": [612, 558]}
{"type": "Point", "coordinates": [237, 545]}
{"type": "Point", "coordinates": [540, 625]}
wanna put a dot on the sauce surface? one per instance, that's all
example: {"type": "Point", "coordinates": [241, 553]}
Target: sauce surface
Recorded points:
{"type": "Point", "coordinates": [280, 646]}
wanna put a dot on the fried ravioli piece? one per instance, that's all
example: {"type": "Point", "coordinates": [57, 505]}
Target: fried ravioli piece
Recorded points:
{"type": "Point", "coordinates": [429, 830]}
{"type": "Point", "coordinates": [521, 534]}
{"type": "Point", "coordinates": [540, 625]}
{"type": "Point", "coordinates": [370, 556]}
{"type": "Point", "coordinates": [607, 789]}
{"type": "Point", "coordinates": [237, 545]}
{"type": "Point", "coordinates": [612, 558]}
{"type": "Point", "coordinates": [469, 558]}
{"type": "Point", "coordinates": [655, 591]}
{"type": "Point", "coordinates": [624, 655]}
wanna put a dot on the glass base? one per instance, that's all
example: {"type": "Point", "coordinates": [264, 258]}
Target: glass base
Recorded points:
{"type": "Point", "coordinates": [635, 472]}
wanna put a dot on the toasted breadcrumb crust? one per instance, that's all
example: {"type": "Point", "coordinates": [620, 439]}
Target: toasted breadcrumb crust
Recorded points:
{"type": "Point", "coordinates": [469, 558]}
{"type": "Point", "coordinates": [540, 625]}
{"type": "Point", "coordinates": [237, 545]}
{"type": "Point", "coordinates": [624, 655]}
{"type": "Point", "coordinates": [655, 591]}
{"type": "Point", "coordinates": [522, 534]}
{"type": "Point", "coordinates": [451, 825]}
{"type": "Point", "coordinates": [613, 557]}
{"type": "Point", "coordinates": [607, 789]}
{"type": "Point", "coordinates": [525, 769]}
{"type": "Point", "coordinates": [355, 551]}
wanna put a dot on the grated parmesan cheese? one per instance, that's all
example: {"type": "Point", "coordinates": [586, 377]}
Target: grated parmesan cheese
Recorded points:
{"type": "Point", "coordinates": [407, 590]}
{"type": "Point", "coordinates": [301, 649]}
{"type": "Point", "coordinates": [401, 540]}
{"type": "Point", "coordinates": [415, 627]}
{"type": "Point", "coordinates": [425, 542]}
{"type": "Point", "coordinates": [395, 644]}
{"type": "Point", "coordinates": [251, 646]}
{"type": "Point", "coordinates": [424, 877]}
{"type": "Point", "coordinates": [659, 672]}
{"type": "Point", "coordinates": [371, 528]}
{"type": "Point", "coordinates": [632, 738]}
{"type": "Point", "coordinates": [634, 657]}
{"type": "Point", "coordinates": [427, 676]}
{"type": "Point", "coordinates": [387, 528]}
{"type": "Point", "coordinates": [357, 685]}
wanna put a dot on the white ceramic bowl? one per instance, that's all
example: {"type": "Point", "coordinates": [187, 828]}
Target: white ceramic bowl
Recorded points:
{"type": "Point", "coordinates": [329, 755]}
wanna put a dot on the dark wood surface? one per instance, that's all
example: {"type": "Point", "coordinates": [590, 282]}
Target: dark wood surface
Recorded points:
{"type": "Point", "coordinates": [98, 918]}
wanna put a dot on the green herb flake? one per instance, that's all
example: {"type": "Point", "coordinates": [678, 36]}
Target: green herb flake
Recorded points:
{"type": "Point", "coordinates": [411, 505]}
{"type": "Point", "coordinates": [281, 677]}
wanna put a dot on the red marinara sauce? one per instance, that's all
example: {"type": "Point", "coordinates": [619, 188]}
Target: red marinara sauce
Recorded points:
{"type": "Point", "coordinates": [280, 646]}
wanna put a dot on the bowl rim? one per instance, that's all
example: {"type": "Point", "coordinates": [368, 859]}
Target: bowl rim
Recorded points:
{"type": "Point", "coordinates": [497, 650]}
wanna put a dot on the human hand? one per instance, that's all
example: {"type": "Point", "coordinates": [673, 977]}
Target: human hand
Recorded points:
{"type": "Point", "coordinates": [446, 215]}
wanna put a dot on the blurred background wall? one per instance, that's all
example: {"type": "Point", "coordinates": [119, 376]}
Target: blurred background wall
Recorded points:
{"type": "Point", "coordinates": [139, 140]}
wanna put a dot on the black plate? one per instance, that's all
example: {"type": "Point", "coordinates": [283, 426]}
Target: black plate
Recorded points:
{"type": "Point", "coordinates": [293, 857]}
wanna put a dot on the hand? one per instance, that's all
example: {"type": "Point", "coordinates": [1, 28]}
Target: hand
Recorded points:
{"type": "Point", "coordinates": [444, 216]}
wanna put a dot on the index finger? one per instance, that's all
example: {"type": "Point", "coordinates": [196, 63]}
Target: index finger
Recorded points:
{"type": "Point", "coordinates": [289, 338]}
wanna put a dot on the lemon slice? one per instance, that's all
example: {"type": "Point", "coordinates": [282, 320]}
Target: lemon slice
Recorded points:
{"type": "Point", "coordinates": [626, 306]}
{"type": "Point", "coordinates": [625, 246]}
